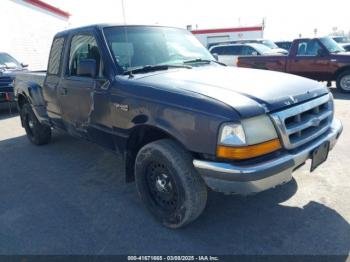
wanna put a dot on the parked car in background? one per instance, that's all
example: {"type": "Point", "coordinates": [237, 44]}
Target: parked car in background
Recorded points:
{"type": "Point", "coordinates": [346, 47]}
{"type": "Point", "coordinates": [180, 121]}
{"type": "Point", "coordinates": [341, 39]}
{"type": "Point", "coordinates": [9, 66]}
{"type": "Point", "coordinates": [320, 59]}
{"type": "Point", "coordinates": [228, 53]}
{"type": "Point", "coordinates": [284, 44]}
{"type": "Point", "coordinates": [265, 42]}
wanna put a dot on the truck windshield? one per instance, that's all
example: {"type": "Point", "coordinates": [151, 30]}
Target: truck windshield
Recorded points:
{"type": "Point", "coordinates": [331, 45]}
{"type": "Point", "coordinates": [8, 61]}
{"type": "Point", "coordinates": [138, 46]}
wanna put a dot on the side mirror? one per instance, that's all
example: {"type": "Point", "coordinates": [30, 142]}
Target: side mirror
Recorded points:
{"type": "Point", "coordinates": [255, 53]}
{"type": "Point", "coordinates": [24, 65]}
{"type": "Point", "coordinates": [87, 68]}
{"type": "Point", "coordinates": [216, 56]}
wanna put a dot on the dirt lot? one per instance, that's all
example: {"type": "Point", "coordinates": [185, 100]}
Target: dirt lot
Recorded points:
{"type": "Point", "coordinates": [69, 197]}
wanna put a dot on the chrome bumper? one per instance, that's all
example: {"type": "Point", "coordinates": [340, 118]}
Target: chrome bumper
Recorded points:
{"type": "Point", "coordinates": [249, 179]}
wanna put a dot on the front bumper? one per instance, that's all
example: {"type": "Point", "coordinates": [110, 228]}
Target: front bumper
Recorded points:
{"type": "Point", "coordinates": [249, 179]}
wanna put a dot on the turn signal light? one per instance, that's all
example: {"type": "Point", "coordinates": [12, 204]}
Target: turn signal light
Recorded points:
{"type": "Point", "coordinates": [245, 152]}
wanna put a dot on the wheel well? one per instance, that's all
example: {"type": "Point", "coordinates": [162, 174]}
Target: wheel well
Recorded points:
{"type": "Point", "coordinates": [21, 100]}
{"type": "Point", "coordinates": [139, 138]}
{"type": "Point", "coordinates": [341, 70]}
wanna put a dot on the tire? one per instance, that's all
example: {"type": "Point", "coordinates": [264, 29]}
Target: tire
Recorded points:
{"type": "Point", "coordinates": [37, 133]}
{"type": "Point", "coordinates": [343, 82]}
{"type": "Point", "coordinates": [168, 184]}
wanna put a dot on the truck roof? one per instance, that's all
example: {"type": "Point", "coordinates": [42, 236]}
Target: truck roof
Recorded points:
{"type": "Point", "coordinates": [103, 25]}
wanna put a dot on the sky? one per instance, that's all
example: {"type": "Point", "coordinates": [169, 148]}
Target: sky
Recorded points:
{"type": "Point", "coordinates": [284, 19]}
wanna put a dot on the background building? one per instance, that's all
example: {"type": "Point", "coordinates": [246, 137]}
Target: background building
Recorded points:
{"type": "Point", "coordinates": [27, 29]}
{"type": "Point", "coordinates": [209, 36]}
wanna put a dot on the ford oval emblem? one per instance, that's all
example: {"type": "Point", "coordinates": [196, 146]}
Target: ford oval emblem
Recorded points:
{"type": "Point", "coordinates": [316, 122]}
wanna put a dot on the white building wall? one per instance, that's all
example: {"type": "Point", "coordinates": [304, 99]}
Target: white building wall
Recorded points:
{"type": "Point", "coordinates": [208, 38]}
{"type": "Point", "coordinates": [27, 32]}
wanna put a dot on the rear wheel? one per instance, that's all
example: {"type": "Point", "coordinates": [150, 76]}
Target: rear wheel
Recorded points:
{"type": "Point", "coordinates": [37, 133]}
{"type": "Point", "coordinates": [343, 82]}
{"type": "Point", "coordinates": [168, 183]}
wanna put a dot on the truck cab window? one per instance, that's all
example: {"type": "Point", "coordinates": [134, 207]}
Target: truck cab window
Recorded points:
{"type": "Point", "coordinates": [55, 56]}
{"type": "Point", "coordinates": [84, 47]}
{"type": "Point", "coordinates": [309, 48]}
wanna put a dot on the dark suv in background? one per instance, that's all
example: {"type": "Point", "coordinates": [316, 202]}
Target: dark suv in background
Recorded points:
{"type": "Point", "coordinates": [8, 68]}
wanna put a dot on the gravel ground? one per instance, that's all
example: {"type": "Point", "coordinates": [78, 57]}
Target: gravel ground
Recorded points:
{"type": "Point", "coordinates": [69, 197]}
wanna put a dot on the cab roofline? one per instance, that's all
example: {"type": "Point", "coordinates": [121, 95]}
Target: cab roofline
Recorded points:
{"type": "Point", "coordinates": [104, 25]}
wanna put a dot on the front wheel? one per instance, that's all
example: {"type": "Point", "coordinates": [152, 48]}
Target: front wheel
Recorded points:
{"type": "Point", "coordinates": [343, 82]}
{"type": "Point", "coordinates": [168, 183]}
{"type": "Point", "coordinates": [37, 133]}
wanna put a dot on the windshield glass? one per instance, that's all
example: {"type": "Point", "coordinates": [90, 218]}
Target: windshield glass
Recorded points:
{"type": "Point", "coordinates": [331, 45]}
{"type": "Point", "coordinates": [269, 43]}
{"type": "Point", "coordinates": [262, 49]}
{"type": "Point", "coordinates": [138, 46]}
{"type": "Point", "coordinates": [8, 61]}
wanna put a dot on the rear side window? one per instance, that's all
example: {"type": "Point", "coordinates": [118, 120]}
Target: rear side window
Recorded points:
{"type": "Point", "coordinates": [247, 50]}
{"type": "Point", "coordinates": [227, 50]}
{"type": "Point", "coordinates": [55, 56]}
{"type": "Point", "coordinates": [308, 48]}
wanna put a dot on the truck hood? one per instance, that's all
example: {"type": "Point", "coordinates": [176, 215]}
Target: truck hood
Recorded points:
{"type": "Point", "coordinates": [248, 91]}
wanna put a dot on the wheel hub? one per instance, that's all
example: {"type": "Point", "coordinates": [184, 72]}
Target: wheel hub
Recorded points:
{"type": "Point", "coordinates": [345, 82]}
{"type": "Point", "coordinates": [161, 186]}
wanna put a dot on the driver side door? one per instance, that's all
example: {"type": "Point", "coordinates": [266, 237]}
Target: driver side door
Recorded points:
{"type": "Point", "coordinates": [311, 61]}
{"type": "Point", "coordinates": [76, 92]}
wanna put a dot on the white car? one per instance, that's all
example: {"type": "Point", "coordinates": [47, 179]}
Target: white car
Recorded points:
{"type": "Point", "coordinates": [229, 53]}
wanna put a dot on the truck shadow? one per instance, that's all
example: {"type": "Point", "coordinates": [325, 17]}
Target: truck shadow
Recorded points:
{"type": "Point", "coordinates": [261, 224]}
{"type": "Point", "coordinates": [339, 95]}
{"type": "Point", "coordinates": [70, 197]}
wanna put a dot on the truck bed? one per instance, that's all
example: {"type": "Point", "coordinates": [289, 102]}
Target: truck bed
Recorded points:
{"type": "Point", "coordinates": [37, 77]}
{"type": "Point", "coordinates": [275, 63]}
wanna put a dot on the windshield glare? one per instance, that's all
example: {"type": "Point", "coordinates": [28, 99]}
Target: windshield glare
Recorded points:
{"type": "Point", "coordinates": [8, 61]}
{"type": "Point", "coordinates": [270, 44]}
{"type": "Point", "coordinates": [331, 45]}
{"type": "Point", "coordinates": [136, 46]}
{"type": "Point", "coordinates": [262, 49]}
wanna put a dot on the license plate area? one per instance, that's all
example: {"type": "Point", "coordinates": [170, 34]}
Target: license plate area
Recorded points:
{"type": "Point", "coordinates": [319, 155]}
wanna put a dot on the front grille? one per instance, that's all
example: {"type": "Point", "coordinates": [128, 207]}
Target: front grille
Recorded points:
{"type": "Point", "coordinates": [6, 84]}
{"type": "Point", "coordinates": [303, 123]}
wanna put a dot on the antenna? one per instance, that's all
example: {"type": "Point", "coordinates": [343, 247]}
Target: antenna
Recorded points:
{"type": "Point", "coordinates": [126, 37]}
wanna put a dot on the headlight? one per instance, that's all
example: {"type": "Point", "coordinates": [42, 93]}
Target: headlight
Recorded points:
{"type": "Point", "coordinates": [252, 137]}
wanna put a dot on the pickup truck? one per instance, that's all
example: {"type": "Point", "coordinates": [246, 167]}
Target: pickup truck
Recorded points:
{"type": "Point", "coordinates": [321, 59]}
{"type": "Point", "coordinates": [181, 121]}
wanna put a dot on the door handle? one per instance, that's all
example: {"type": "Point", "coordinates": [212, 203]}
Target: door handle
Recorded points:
{"type": "Point", "coordinates": [64, 91]}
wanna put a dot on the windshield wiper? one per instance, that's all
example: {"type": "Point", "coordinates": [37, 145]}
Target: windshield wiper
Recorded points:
{"type": "Point", "coordinates": [151, 68]}
{"type": "Point", "coordinates": [200, 60]}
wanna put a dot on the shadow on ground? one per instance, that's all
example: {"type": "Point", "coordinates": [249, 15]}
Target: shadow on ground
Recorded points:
{"type": "Point", "coordinates": [339, 95]}
{"type": "Point", "coordinates": [69, 197]}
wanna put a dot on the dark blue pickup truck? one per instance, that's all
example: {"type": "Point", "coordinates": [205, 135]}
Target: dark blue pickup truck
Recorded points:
{"type": "Point", "coordinates": [181, 120]}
